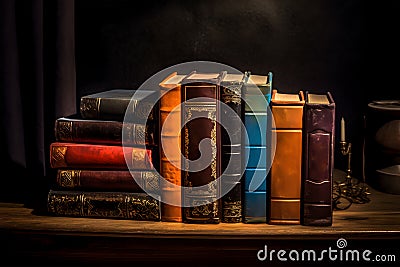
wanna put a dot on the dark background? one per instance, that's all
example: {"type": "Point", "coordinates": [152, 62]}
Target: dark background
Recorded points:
{"type": "Point", "coordinates": [347, 47]}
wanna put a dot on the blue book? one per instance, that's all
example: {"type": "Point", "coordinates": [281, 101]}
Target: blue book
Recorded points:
{"type": "Point", "coordinates": [257, 97]}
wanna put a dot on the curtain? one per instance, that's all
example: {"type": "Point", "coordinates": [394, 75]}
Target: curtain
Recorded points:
{"type": "Point", "coordinates": [38, 84]}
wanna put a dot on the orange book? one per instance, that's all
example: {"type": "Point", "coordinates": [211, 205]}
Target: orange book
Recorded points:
{"type": "Point", "coordinates": [170, 163]}
{"type": "Point", "coordinates": [74, 155]}
{"type": "Point", "coordinates": [286, 168]}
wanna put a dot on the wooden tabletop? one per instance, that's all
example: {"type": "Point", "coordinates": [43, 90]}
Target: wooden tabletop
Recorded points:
{"type": "Point", "coordinates": [378, 220]}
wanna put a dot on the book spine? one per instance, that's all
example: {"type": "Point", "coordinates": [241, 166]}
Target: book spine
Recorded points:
{"type": "Point", "coordinates": [231, 142]}
{"type": "Point", "coordinates": [255, 120]}
{"type": "Point", "coordinates": [116, 109]}
{"type": "Point", "coordinates": [104, 132]}
{"type": "Point", "coordinates": [170, 167]}
{"type": "Point", "coordinates": [319, 129]}
{"type": "Point", "coordinates": [286, 169]}
{"type": "Point", "coordinates": [103, 108]}
{"type": "Point", "coordinates": [201, 186]}
{"type": "Point", "coordinates": [107, 180]}
{"type": "Point", "coordinates": [119, 205]}
{"type": "Point", "coordinates": [74, 155]}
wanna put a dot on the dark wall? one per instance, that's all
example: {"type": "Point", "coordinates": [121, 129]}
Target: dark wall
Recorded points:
{"type": "Point", "coordinates": [342, 46]}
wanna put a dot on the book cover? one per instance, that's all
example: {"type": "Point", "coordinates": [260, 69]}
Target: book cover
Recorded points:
{"type": "Point", "coordinates": [118, 205]}
{"type": "Point", "coordinates": [76, 155]}
{"type": "Point", "coordinates": [107, 180]}
{"type": "Point", "coordinates": [318, 159]}
{"type": "Point", "coordinates": [257, 98]}
{"type": "Point", "coordinates": [113, 105]}
{"type": "Point", "coordinates": [286, 169]}
{"type": "Point", "coordinates": [75, 129]}
{"type": "Point", "coordinates": [200, 95]}
{"type": "Point", "coordinates": [231, 143]}
{"type": "Point", "coordinates": [169, 148]}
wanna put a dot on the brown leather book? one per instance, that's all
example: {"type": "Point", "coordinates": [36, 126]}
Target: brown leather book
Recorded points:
{"type": "Point", "coordinates": [170, 163]}
{"type": "Point", "coordinates": [318, 159]}
{"type": "Point", "coordinates": [75, 129]}
{"type": "Point", "coordinates": [286, 169]}
{"type": "Point", "coordinates": [200, 95]}
{"type": "Point", "coordinates": [107, 180]}
{"type": "Point", "coordinates": [107, 205]}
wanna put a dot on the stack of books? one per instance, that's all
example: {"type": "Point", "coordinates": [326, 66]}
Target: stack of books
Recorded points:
{"type": "Point", "coordinates": [106, 158]}
{"type": "Point", "coordinates": [214, 147]}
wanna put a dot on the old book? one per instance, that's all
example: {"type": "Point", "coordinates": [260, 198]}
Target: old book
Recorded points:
{"type": "Point", "coordinates": [107, 180]}
{"type": "Point", "coordinates": [75, 129]}
{"type": "Point", "coordinates": [169, 148]}
{"type": "Point", "coordinates": [200, 94]}
{"type": "Point", "coordinates": [231, 143]}
{"type": "Point", "coordinates": [286, 169]}
{"type": "Point", "coordinates": [113, 105]}
{"type": "Point", "coordinates": [77, 155]}
{"type": "Point", "coordinates": [118, 205]}
{"type": "Point", "coordinates": [257, 98]}
{"type": "Point", "coordinates": [318, 159]}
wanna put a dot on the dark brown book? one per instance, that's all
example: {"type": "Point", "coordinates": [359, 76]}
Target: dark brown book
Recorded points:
{"type": "Point", "coordinates": [200, 94]}
{"type": "Point", "coordinates": [107, 180]}
{"type": "Point", "coordinates": [136, 106]}
{"type": "Point", "coordinates": [75, 129]}
{"type": "Point", "coordinates": [118, 205]}
{"type": "Point", "coordinates": [231, 144]}
{"type": "Point", "coordinates": [318, 159]}
{"type": "Point", "coordinates": [286, 168]}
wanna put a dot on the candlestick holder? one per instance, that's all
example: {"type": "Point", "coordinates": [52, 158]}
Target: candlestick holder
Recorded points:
{"type": "Point", "coordinates": [351, 190]}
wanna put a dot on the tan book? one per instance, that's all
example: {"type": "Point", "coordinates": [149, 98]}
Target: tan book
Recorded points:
{"type": "Point", "coordinates": [286, 169]}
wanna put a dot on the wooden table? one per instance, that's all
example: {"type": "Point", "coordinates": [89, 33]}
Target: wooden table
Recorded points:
{"type": "Point", "coordinates": [43, 239]}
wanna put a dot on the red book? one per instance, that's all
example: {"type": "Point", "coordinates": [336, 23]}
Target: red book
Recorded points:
{"type": "Point", "coordinates": [74, 155]}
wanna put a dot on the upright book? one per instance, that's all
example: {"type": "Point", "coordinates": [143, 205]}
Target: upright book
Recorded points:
{"type": "Point", "coordinates": [118, 205]}
{"type": "Point", "coordinates": [75, 129]}
{"type": "Point", "coordinates": [257, 98]}
{"type": "Point", "coordinates": [231, 142]}
{"type": "Point", "coordinates": [97, 156]}
{"type": "Point", "coordinates": [113, 105]}
{"type": "Point", "coordinates": [286, 168]}
{"type": "Point", "coordinates": [169, 147]}
{"type": "Point", "coordinates": [318, 159]}
{"type": "Point", "coordinates": [201, 145]}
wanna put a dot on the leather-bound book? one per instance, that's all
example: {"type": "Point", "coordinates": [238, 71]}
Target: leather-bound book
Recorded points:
{"type": "Point", "coordinates": [286, 169]}
{"type": "Point", "coordinates": [169, 148]}
{"type": "Point", "coordinates": [96, 156]}
{"type": "Point", "coordinates": [318, 159]}
{"type": "Point", "coordinates": [107, 180]}
{"type": "Point", "coordinates": [231, 142]}
{"type": "Point", "coordinates": [120, 105]}
{"type": "Point", "coordinates": [257, 98]}
{"type": "Point", "coordinates": [117, 205]}
{"type": "Point", "coordinates": [201, 147]}
{"type": "Point", "coordinates": [75, 129]}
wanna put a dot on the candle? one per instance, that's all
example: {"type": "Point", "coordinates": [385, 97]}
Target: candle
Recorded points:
{"type": "Point", "coordinates": [342, 131]}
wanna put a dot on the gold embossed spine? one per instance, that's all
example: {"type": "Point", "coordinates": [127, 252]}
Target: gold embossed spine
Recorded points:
{"type": "Point", "coordinates": [57, 156]}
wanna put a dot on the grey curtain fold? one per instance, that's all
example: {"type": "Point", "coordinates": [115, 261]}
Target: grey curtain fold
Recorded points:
{"type": "Point", "coordinates": [38, 83]}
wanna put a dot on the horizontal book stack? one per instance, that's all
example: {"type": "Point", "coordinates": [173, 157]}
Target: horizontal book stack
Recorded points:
{"type": "Point", "coordinates": [105, 158]}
